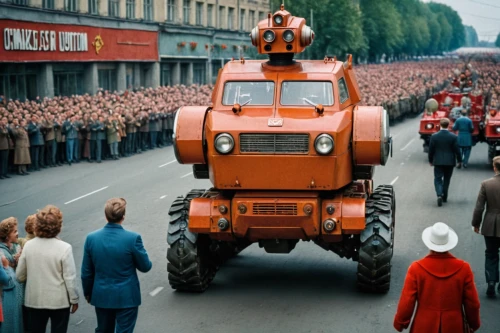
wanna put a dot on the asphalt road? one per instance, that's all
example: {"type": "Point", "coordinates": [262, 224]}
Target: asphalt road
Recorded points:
{"type": "Point", "coordinates": [309, 290]}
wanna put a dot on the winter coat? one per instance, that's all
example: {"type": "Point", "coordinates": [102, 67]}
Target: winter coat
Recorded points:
{"type": "Point", "coordinates": [4, 138]}
{"type": "Point", "coordinates": [48, 128]}
{"type": "Point", "coordinates": [465, 128]}
{"type": "Point", "coordinates": [489, 195]}
{"type": "Point", "coordinates": [22, 150]}
{"type": "Point", "coordinates": [70, 130]}
{"type": "Point", "coordinates": [112, 132]}
{"type": "Point", "coordinates": [35, 134]}
{"type": "Point", "coordinates": [440, 285]}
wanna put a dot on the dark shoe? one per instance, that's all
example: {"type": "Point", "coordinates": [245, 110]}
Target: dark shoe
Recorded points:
{"type": "Point", "coordinates": [2, 177]}
{"type": "Point", "coordinates": [445, 198]}
{"type": "Point", "coordinates": [69, 163]}
{"type": "Point", "coordinates": [440, 201]}
{"type": "Point", "coordinates": [25, 173]}
{"type": "Point", "coordinates": [6, 176]}
{"type": "Point", "coordinates": [20, 173]}
{"type": "Point", "coordinates": [490, 292]}
{"type": "Point", "coordinates": [37, 169]}
{"type": "Point", "coordinates": [98, 161]}
{"type": "Point", "coordinates": [459, 166]}
{"type": "Point", "coordinates": [465, 166]}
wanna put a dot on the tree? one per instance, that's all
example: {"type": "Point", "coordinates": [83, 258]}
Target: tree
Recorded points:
{"type": "Point", "coordinates": [471, 38]}
{"type": "Point", "coordinates": [381, 27]}
{"type": "Point", "coordinates": [497, 42]}
{"type": "Point", "coordinates": [337, 26]}
{"type": "Point", "coordinates": [458, 30]}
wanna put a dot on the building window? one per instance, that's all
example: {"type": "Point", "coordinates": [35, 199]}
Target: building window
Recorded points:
{"type": "Point", "coordinates": [262, 16]}
{"type": "Point", "coordinates": [130, 9]}
{"type": "Point", "coordinates": [129, 76]}
{"type": "Point", "coordinates": [48, 4]}
{"type": "Point", "coordinates": [148, 10]}
{"type": "Point", "coordinates": [68, 83]}
{"type": "Point", "coordinates": [171, 10]}
{"type": "Point", "coordinates": [210, 15]}
{"type": "Point", "coordinates": [186, 10]}
{"type": "Point", "coordinates": [20, 2]}
{"type": "Point", "coordinates": [251, 19]}
{"type": "Point", "coordinates": [242, 20]}
{"type": "Point", "coordinates": [220, 24]}
{"type": "Point", "coordinates": [184, 74]}
{"type": "Point", "coordinates": [107, 79]}
{"type": "Point", "coordinates": [199, 74]}
{"type": "Point", "coordinates": [93, 9]}
{"type": "Point", "coordinates": [114, 8]}
{"type": "Point", "coordinates": [70, 5]}
{"type": "Point", "coordinates": [230, 18]}
{"type": "Point", "coordinates": [199, 13]}
{"type": "Point", "coordinates": [16, 82]}
{"type": "Point", "coordinates": [166, 74]}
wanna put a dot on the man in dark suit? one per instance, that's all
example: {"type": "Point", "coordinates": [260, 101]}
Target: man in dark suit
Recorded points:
{"type": "Point", "coordinates": [489, 194]}
{"type": "Point", "coordinates": [443, 155]}
{"type": "Point", "coordinates": [111, 258]}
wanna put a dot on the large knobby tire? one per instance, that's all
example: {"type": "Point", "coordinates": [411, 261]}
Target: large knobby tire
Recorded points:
{"type": "Point", "coordinates": [191, 266]}
{"type": "Point", "coordinates": [377, 241]}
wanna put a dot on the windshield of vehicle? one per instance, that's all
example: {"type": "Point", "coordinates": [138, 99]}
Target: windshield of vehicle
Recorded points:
{"type": "Point", "coordinates": [307, 93]}
{"type": "Point", "coordinates": [248, 93]}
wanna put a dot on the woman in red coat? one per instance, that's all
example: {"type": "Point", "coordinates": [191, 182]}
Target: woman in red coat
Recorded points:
{"type": "Point", "coordinates": [441, 285]}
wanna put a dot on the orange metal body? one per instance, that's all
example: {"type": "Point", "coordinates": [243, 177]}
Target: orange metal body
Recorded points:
{"type": "Point", "coordinates": [276, 188]}
{"type": "Point", "coordinates": [492, 128]}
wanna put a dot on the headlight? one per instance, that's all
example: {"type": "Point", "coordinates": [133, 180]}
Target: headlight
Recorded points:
{"type": "Point", "coordinates": [288, 36]}
{"type": "Point", "coordinates": [224, 143]}
{"type": "Point", "coordinates": [278, 19]}
{"type": "Point", "coordinates": [429, 126]}
{"type": "Point", "coordinates": [324, 144]}
{"type": "Point", "coordinates": [498, 129]}
{"type": "Point", "coordinates": [269, 36]}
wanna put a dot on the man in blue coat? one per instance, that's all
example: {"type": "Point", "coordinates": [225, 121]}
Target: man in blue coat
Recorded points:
{"type": "Point", "coordinates": [465, 128]}
{"type": "Point", "coordinates": [37, 143]}
{"type": "Point", "coordinates": [443, 154]}
{"type": "Point", "coordinates": [111, 258]}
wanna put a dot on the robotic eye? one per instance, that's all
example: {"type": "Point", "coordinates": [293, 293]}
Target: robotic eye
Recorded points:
{"type": "Point", "coordinates": [269, 36]}
{"type": "Point", "coordinates": [278, 19]}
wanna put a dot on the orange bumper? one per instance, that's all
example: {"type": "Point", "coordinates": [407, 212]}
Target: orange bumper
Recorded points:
{"type": "Point", "coordinates": [270, 215]}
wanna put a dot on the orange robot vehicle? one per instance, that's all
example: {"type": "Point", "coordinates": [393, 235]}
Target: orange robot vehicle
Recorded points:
{"type": "Point", "coordinates": [492, 132]}
{"type": "Point", "coordinates": [291, 157]}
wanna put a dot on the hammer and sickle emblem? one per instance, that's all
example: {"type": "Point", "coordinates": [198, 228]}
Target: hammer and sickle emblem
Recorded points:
{"type": "Point", "coordinates": [98, 43]}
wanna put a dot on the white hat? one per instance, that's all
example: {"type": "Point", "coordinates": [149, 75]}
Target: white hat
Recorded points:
{"type": "Point", "coordinates": [439, 237]}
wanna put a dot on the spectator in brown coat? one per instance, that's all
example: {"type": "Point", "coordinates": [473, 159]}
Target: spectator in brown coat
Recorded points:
{"type": "Point", "coordinates": [4, 148]}
{"type": "Point", "coordinates": [22, 151]}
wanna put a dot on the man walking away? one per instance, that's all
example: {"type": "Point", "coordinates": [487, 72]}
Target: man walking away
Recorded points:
{"type": "Point", "coordinates": [114, 254]}
{"type": "Point", "coordinates": [489, 194]}
{"type": "Point", "coordinates": [443, 154]}
{"type": "Point", "coordinates": [465, 128]}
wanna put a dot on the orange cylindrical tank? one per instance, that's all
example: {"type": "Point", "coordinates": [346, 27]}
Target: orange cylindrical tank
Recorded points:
{"type": "Point", "coordinates": [188, 134]}
{"type": "Point", "coordinates": [371, 138]}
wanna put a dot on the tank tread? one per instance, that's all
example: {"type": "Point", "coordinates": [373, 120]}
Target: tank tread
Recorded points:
{"type": "Point", "coordinates": [190, 266]}
{"type": "Point", "coordinates": [377, 241]}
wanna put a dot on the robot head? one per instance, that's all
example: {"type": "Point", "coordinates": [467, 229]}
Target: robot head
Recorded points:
{"type": "Point", "coordinates": [282, 33]}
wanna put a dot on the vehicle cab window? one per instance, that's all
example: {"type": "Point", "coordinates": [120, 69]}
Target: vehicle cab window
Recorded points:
{"type": "Point", "coordinates": [343, 92]}
{"type": "Point", "coordinates": [248, 93]}
{"type": "Point", "coordinates": [307, 93]}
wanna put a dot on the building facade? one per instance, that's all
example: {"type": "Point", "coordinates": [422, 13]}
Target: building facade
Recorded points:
{"type": "Point", "coordinates": [68, 47]}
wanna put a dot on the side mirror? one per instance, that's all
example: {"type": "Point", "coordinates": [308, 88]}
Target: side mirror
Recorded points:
{"type": "Point", "coordinates": [319, 109]}
{"type": "Point", "coordinates": [236, 108]}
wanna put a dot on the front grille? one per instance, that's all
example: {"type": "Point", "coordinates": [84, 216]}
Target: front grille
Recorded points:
{"type": "Point", "coordinates": [274, 143]}
{"type": "Point", "coordinates": [274, 209]}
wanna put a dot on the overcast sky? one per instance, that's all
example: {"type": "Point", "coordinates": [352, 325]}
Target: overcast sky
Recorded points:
{"type": "Point", "coordinates": [483, 15]}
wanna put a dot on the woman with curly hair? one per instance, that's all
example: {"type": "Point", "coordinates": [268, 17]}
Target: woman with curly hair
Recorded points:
{"type": "Point", "coordinates": [29, 227]}
{"type": "Point", "coordinates": [47, 263]}
{"type": "Point", "coordinates": [13, 292]}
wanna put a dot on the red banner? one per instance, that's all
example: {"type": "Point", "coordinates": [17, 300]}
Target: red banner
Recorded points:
{"type": "Point", "coordinates": [29, 42]}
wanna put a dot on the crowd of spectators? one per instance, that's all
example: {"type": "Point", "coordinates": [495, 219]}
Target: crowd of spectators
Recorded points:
{"type": "Point", "coordinates": [49, 132]}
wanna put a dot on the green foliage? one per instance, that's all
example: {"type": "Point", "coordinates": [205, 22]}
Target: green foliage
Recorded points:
{"type": "Point", "coordinates": [376, 27]}
{"type": "Point", "coordinates": [471, 38]}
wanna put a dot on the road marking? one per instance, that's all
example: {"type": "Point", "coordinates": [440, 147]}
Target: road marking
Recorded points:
{"type": "Point", "coordinates": [187, 174]}
{"type": "Point", "coordinates": [78, 323]}
{"type": "Point", "coordinates": [163, 196]}
{"type": "Point", "coordinates": [394, 180]}
{"type": "Point", "coordinates": [408, 144]}
{"type": "Point", "coordinates": [161, 166]}
{"type": "Point", "coordinates": [156, 291]}
{"type": "Point", "coordinates": [86, 195]}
